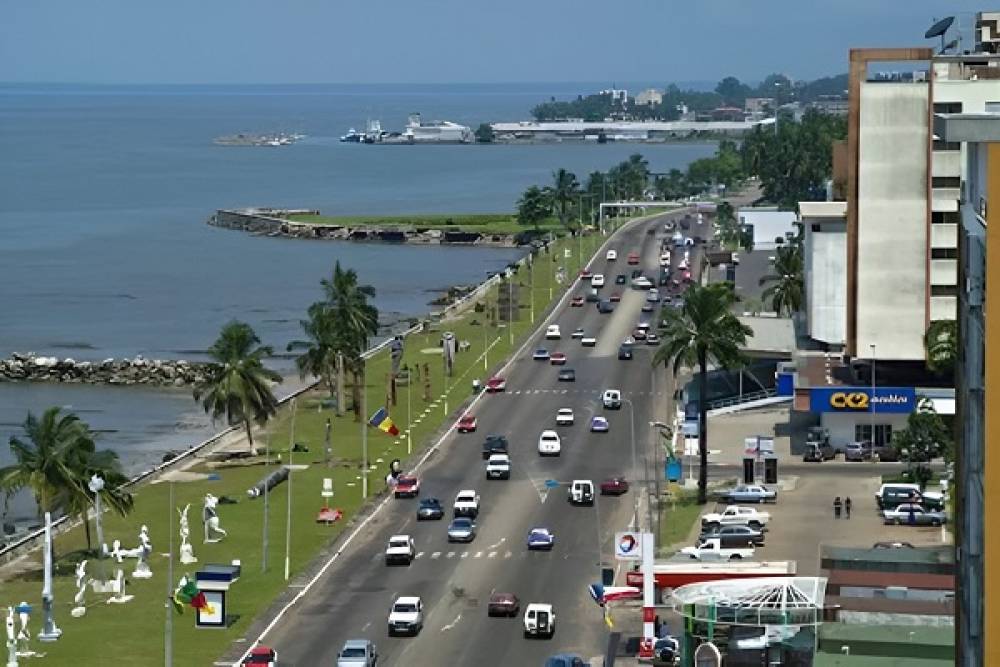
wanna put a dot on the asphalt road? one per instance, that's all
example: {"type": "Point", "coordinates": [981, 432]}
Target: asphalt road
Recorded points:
{"type": "Point", "coordinates": [455, 581]}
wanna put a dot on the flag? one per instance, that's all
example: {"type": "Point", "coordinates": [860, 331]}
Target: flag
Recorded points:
{"type": "Point", "coordinates": [187, 594]}
{"type": "Point", "coordinates": [381, 421]}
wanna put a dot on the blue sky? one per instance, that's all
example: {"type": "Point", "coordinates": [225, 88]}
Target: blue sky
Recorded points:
{"type": "Point", "coordinates": [444, 41]}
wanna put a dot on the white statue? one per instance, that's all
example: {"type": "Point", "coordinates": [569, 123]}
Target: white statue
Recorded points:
{"type": "Point", "coordinates": [23, 636]}
{"type": "Point", "coordinates": [81, 589]}
{"type": "Point", "coordinates": [187, 550]}
{"type": "Point", "coordinates": [142, 570]}
{"type": "Point", "coordinates": [119, 588]}
{"type": "Point", "coordinates": [11, 639]}
{"type": "Point", "coordinates": [210, 517]}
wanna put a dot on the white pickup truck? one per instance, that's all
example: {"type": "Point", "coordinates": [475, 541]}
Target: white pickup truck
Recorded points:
{"type": "Point", "coordinates": [399, 550]}
{"type": "Point", "coordinates": [467, 503]}
{"type": "Point", "coordinates": [735, 515]}
{"type": "Point", "coordinates": [712, 548]}
{"type": "Point", "coordinates": [539, 620]}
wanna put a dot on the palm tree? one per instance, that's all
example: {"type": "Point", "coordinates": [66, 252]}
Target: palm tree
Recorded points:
{"type": "Point", "coordinates": [941, 343]}
{"type": "Point", "coordinates": [704, 329]}
{"type": "Point", "coordinates": [533, 207]}
{"type": "Point", "coordinates": [55, 461]}
{"type": "Point", "coordinates": [563, 193]}
{"type": "Point", "coordinates": [238, 383]}
{"type": "Point", "coordinates": [787, 289]}
{"type": "Point", "coordinates": [320, 349]}
{"type": "Point", "coordinates": [355, 321]}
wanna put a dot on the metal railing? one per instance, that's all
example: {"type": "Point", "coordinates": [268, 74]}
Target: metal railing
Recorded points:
{"type": "Point", "coordinates": [741, 399]}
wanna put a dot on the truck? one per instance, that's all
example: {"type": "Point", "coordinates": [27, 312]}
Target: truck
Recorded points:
{"type": "Point", "coordinates": [466, 503]}
{"type": "Point", "coordinates": [735, 515]}
{"type": "Point", "coordinates": [539, 620]}
{"type": "Point", "coordinates": [748, 493]}
{"type": "Point", "coordinates": [711, 548]}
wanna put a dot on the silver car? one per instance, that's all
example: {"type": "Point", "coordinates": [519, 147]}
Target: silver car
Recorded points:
{"type": "Point", "coordinates": [914, 515]}
{"type": "Point", "coordinates": [462, 529]}
{"type": "Point", "coordinates": [357, 653]}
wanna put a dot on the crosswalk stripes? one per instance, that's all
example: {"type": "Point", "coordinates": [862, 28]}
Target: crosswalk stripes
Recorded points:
{"type": "Point", "coordinates": [492, 554]}
{"type": "Point", "coordinates": [436, 554]}
{"type": "Point", "coordinates": [419, 554]}
{"type": "Point", "coordinates": [465, 554]}
{"type": "Point", "coordinates": [451, 554]}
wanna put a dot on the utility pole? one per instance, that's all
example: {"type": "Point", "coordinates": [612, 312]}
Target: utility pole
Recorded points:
{"type": "Point", "coordinates": [267, 464]}
{"type": "Point", "coordinates": [288, 512]}
{"type": "Point", "coordinates": [364, 434]}
{"type": "Point", "coordinates": [168, 630]}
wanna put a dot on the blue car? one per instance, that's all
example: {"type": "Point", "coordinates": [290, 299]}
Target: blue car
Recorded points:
{"type": "Point", "coordinates": [565, 660]}
{"type": "Point", "coordinates": [540, 538]}
{"type": "Point", "coordinates": [598, 424]}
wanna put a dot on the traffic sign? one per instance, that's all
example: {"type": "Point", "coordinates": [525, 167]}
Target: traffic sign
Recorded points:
{"type": "Point", "coordinates": [551, 484]}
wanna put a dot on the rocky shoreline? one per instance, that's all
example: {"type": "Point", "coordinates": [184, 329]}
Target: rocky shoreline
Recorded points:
{"type": "Point", "coordinates": [138, 371]}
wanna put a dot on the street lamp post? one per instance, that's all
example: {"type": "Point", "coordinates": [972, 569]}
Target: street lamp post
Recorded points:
{"type": "Point", "coordinates": [168, 630]}
{"type": "Point", "coordinates": [635, 472]}
{"type": "Point", "coordinates": [364, 434]}
{"type": "Point", "coordinates": [409, 422]}
{"type": "Point", "coordinates": [267, 464]}
{"type": "Point", "coordinates": [871, 401]}
{"type": "Point", "coordinates": [510, 309]}
{"type": "Point", "coordinates": [288, 509]}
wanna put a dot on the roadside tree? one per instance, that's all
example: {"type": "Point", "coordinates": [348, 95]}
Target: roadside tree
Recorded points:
{"type": "Point", "coordinates": [786, 290]}
{"type": "Point", "coordinates": [238, 384]}
{"type": "Point", "coordinates": [703, 329]}
{"type": "Point", "coordinates": [924, 437]}
{"type": "Point", "coordinates": [484, 133]}
{"type": "Point", "coordinates": [941, 343]}
{"type": "Point", "coordinates": [533, 207]}
{"type": "Point", "coordinates": [562, 195]}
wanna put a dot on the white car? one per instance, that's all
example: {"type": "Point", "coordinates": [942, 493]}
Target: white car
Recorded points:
{"type": "Point", "coordinates": [642, 282]}
{"type": "Point", "coordinates": [736, 515]}
{"type": "Point", "coordinates": [653, 296]}
{"type": "Point", "coordinates": [611, 255]}
{"type": "Point", "coordinates": [498, 466]}
{"type": "Point", "coordinates": [399, 550]}
{"type": "Point", "coordinates": [539, 620]}
{"type": "Point", "coordinates": [564, 417]}
{"type": "Point", "coordinates": [665, 259]}
{"type": "Point", "coordinates": [466, 503]}
{"type": "Point", "coordinates": [549, 444]}
{"type": "Point", "coordinates": [578, 333]}
{"type": "Point", "coordinates": [553, 332]}
{"type": "Point", "coordinates": [597, 280]}
{"type": "Point", "coordinates": [588, 341]}
{"type": "Point", "coordinates": [406, 616]}
{"type": "Point", "coordinates": [612, 399]}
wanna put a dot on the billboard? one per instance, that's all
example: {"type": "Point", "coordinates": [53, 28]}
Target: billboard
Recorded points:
{"type": "Point", "coordinates": [898, 400]}
{"type": "Point", "coordinates": [628, 545]}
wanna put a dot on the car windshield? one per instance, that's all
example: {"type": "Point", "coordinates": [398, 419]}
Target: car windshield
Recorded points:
{"type": "Point", "coordinates": [461, 523]}
{"type": "Point", "coordinates": [398, 543]}
{"type": "Point", "coordinates": [352, 653]}
{"type": "Point", "coordinates": [430, 502]}
{"type": "Point", "coordinates": [405, 608]}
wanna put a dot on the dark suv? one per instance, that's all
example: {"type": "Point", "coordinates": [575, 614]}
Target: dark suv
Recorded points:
{"type": "Point", "coordinates": [494, 444]}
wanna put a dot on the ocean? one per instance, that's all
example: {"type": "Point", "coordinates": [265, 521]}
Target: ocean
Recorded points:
{"type": "Point", "coordinates": [104, 250]}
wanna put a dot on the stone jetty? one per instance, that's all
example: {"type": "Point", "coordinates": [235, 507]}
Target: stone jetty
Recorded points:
{"type": "Point", "coordinates": [138, 371]}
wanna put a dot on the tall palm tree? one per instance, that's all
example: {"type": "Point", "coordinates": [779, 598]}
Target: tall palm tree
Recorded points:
{"type": "Point", "coordinates": [319, 350]}
{"type": "Point", "coordinates": [56, 460]}
{"type": "Point", "coordinates": [704, 329]}
{"type": "Point", "coordinates": [787, 290]}
{"type": "Point", "coordinates": [941, 343]}
{"type": "Point", "coordinates": [563, 194]}
{"type": "Point", "coordinates": [238, 384]}
{"type": "Point", "coordinates": [355, 321]}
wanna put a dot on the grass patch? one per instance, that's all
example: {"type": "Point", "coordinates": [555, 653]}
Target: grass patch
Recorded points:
{"type": "Point", "coordinates": [484, 223]}
{"type": "Point", "coordinates": [677, 518]}
{"type": "Point", "coordinates": [132, 635]}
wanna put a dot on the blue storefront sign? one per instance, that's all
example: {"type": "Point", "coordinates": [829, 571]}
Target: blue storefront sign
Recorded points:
{"type": "Point", "coordinates": [899, 400]}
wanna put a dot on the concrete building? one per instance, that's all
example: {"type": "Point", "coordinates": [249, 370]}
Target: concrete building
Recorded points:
{"type": "Point", "coordinates": [824, 226]}
{"type": "Point", "coordinates": [902, 197]}
{"type": "Point", "coordinates": [649, 97]}
{"type": "Point", "coordinates": [619, 95]}
{"type": "Point", "coordinates": [978, 367]}
{"type": "Point", "coordinates": [758, 107]}
{"type": "Point", "coordinates": [768, 224]}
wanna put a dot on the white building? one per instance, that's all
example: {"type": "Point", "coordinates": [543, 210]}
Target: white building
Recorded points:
{"type": "Point", "coordinates": [824, 225]}
{"type": "Point", "coordinates": [649, 97]}
{"type": "Point", "coordinates": [619, 95]}
{"type": "Point", "coordinates": [437, 131]}
{"type": "Point", "coordinates": [768, 225]}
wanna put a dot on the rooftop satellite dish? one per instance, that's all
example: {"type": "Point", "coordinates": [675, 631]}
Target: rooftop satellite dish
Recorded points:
{"type": "Point", "coordinates": [939, 28]}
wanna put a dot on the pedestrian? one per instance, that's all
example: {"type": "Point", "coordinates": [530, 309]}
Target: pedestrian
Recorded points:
{"type": "Point", "coordinates": [836, 507]}
{"type": "Point", "coordinates": [847, 507]}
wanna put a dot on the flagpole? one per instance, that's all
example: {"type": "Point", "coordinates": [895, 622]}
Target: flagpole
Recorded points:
{"type": "Point", "coordinates": [409, 423]}
{"type": "Point", "coordinates": [364, 434]}
{"type": "Point", "coordinates": [168, 631]}
{"type": "Point", "coordinates": [267, 461]}
{"type": "Point", "coordinates": [288, 514]}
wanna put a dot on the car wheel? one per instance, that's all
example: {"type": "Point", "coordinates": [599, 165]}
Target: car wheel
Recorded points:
{"type": "Point", "coordinates": [936, 522]}
{"type": "Point", "coordinates": [736, 557]}
{"type": "Point", "coordinates": [391, 632]}
{"type": "Point", "coordinates": [899, 522]}
{"type": "Point", "coordinates": [756, 525]}
{"type": "Point", "coordinates": [527, 635]}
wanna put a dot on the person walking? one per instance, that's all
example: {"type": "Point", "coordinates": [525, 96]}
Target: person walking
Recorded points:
{"type": "Point", "coordinates": [847, 507]}
{"type": "Point", "coordinates": [837, 504]}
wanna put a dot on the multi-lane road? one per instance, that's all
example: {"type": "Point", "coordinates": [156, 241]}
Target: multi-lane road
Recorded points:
{"type": "Point", "coordinates": [353, 597]}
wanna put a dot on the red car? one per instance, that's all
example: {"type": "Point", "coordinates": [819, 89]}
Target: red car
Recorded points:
{"type": "Point", "coordinates": [407, 486]}
{"type": "Point", "coordinates": [467, 424]}
{"type": "Point", "coordinates": [615, 486]}
{"type": "Point", "coordinates": [503, 604]}
{"type": "Point", "coordinates": [585, 274]}
{"type": "Point", "coordinates": [633, 258]}
{"type": "Point", "coordinates": [262, 656]}
{"type": "Point", "coordinates": [616, 296]}
{"type": "Point", "coordinates": [557, 359]}
{"type": "Point", "coordinates": [577, 302]}
{"type": "Point", "coordinates": [495, 384]}
{"type": "Point", "coordinates": [639, 334]}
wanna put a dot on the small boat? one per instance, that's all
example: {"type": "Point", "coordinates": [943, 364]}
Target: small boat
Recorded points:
{"type": "Point", "coordinates": [352, 137]}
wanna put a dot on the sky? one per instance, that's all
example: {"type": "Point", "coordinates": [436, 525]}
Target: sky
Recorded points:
{"type": "Point", "coordinates": [450, 41]}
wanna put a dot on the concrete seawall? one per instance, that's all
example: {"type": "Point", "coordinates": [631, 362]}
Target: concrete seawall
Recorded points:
{"type": "Point", "coordinates": [274, 222]}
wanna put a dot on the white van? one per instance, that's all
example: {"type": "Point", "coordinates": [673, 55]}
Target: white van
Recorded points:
{"type": "Point", "coordinates": [612, 399]}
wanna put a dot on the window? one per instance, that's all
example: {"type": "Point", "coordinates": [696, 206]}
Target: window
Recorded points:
{"type": "Point", "coordinates": [944, 253]}
{"type": "Point", "coordinates": [883, 433]}
{"type": "Point", "coordinates": [944, 290]}
{"type": "Point", "coordinates": [947, 107]}
{"type": "Point", "coordinates": [945, 218]}
{"type": "Point", "coordinates": [940, 145]}
{"type": "Point", "coordinates": [946, 182]}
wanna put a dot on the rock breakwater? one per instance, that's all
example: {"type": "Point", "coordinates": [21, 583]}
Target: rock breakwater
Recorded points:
{"type": "Point", "coordinates": [138, 371]}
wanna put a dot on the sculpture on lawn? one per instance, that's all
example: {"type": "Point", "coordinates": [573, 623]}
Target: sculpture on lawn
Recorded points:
{"type": "Point", "coordinates": [210, 517]}
{"type": "Point", "coordinates": [142, 570]}
{"type": "Point", "coordinates": [11, 638]}
{"type": "Point", "coordinates": [187, 550]}
{"type": "Point", "coordinates": [118, 585]}
{"type": "Point", "coordinates": [81, 589]}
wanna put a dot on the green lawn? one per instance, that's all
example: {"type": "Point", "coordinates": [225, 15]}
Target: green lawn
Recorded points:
{"type": "Point", "coordinates": [677, 518]}
{"type": "Point", "coordinates": [487, 223]}
{"type": "Point", "coordinates": [133, 634]}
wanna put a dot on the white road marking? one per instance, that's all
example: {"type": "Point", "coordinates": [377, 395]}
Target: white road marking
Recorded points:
{"type": "Point", "coordinates": [492, 554]}
{"type": "Point", "coordinates": [502, 540]}
{"type": "Point", "coordinates": [479, 554]}
{"type": "Point", "coordinates": [465, 554]}
{"type": "Point", "coordinates": [508, 555]}
{"type": "Point", "coordinates": [451, 554]}
{"type": "Point", "coordinates": [419, 554]}
{"type": "Point", "coordinates": [367, 625]}
{"type": "Point", "coordinates": [436, 554]}
{"type": "Point", "coordinates": [452, 624]}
